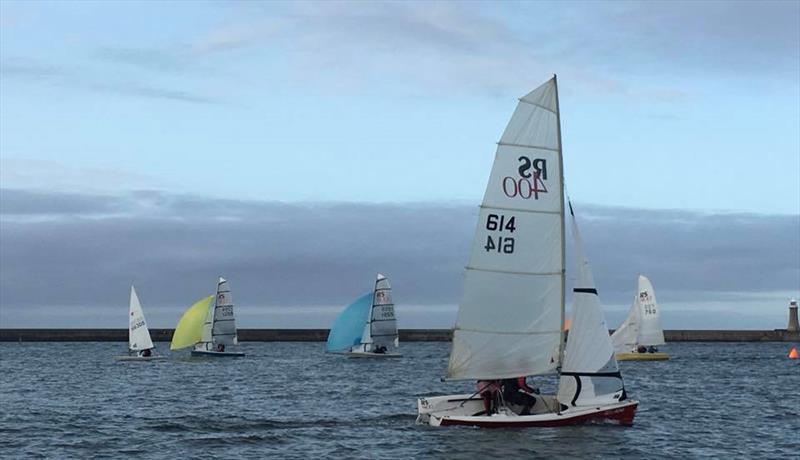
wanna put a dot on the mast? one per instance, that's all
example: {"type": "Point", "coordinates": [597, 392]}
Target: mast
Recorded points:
{"type": "Point", "coordinates": [563, 232]}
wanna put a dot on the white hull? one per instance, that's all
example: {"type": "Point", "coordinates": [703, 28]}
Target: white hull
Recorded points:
{"type": "Point", "coordinates": [468, 410]}
{"type": "Point", "coordinates": [218, 354]}
{"type": "Point", "coordinates": [367, 354]}
{"type": "Point", "coordinates": [140, 358]}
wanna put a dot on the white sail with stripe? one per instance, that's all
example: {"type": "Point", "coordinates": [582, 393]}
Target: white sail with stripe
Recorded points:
{"type": "Point", "coordinates": [590, 375]}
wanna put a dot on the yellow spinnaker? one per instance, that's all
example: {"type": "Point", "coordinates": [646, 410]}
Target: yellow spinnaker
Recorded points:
{"type": "Point", "coordinates": [190, 328]}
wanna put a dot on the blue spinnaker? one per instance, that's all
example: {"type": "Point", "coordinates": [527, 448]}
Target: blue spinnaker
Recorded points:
{"type": "Point", "coordinates": [349, 326]}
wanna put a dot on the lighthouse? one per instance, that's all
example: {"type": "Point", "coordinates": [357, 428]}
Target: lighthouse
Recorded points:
{"type": "Point", "coordinates": [793, 326]}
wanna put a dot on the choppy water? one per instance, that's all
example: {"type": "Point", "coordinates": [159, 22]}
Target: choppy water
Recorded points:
{"type": "Point", "coordinates": [290, 400]}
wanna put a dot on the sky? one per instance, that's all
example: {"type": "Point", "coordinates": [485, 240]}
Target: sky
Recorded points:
{"type": "Point", "coordinates": [301, 147]}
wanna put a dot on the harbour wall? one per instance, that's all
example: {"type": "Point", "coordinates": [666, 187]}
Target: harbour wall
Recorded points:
{"type": "Point", "coordinates": [320, 335]}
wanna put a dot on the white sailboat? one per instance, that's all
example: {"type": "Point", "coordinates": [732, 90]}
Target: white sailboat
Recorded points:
{"type": "Point", "coordinates": [511, 318]}
{"type": "Point", "coordinates": [209, 326]}
{"type": "Point", "coordinates": [640, 333]}
{"type": "Point", "coordinates": [367, 328]}
{"type": "Point", "coordinates": [140, 346]}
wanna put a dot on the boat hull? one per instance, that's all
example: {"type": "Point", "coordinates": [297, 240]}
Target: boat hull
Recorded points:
{"type": "Point", "coordinates": [366, 354]}
{"type": "Point", "coordinates": [642, 356]}
{"type": "Point", "coordinates": [217, 354]}
{"type": "Point", "coordinates": [140, 358]}
{"type": "Point", "coordinates": [462, 410]}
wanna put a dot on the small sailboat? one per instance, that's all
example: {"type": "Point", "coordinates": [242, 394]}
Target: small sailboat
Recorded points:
{"type": "Point", "coordinates": [140, 346]}
{"type": "Point", "coordinates": [367, 328]}
{"type": "Point", "coordinates": [209, 325]}
{"type": "Point", "coordinates": [639, 335]}
{"type": "Point", "coordinates": [510, 322]}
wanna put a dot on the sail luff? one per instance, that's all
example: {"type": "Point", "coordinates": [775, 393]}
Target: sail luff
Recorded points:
{"type": "Point", "coordinates": [561, 341]}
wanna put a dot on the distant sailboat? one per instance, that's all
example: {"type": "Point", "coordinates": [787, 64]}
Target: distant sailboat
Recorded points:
{"type": "Point", "coordinates": [640, 333]}
{"type": "Point", "coordinates": [367, 328]}
{"type": "Point", "coordinates": [209, 325]}
{"type": "Point", "coordinates": [510, 320]}
{"type": "Point", "coordinates": [140, 346]}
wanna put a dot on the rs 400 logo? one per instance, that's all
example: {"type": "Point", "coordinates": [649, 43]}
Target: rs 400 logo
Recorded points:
{"type": "Point", "coordinates": [532, 174]}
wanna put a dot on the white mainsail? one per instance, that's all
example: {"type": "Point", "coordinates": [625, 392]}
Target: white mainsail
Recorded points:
{"type": "Point", "coordinates": [138, 334]}
{"type": "Point", "coordinates": [511, 314]}
{"type": "Point", "coordinates": [381, 328]}
{"type": "Point", "coordinates": [589, 375]}
{"type": "Point", "coordinates": [224, 329]}
{"type": "Point", "coordinates": [220, 324]}
{"type": "Point", "coordinates": [642, 325]}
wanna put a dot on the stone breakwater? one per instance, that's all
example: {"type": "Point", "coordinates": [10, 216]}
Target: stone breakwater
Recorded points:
{"type": "Point", "coordinates": [320, 335]}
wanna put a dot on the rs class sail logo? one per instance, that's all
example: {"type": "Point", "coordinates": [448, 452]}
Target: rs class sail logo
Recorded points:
{"type": "Point", "coordinates": [530, 183]}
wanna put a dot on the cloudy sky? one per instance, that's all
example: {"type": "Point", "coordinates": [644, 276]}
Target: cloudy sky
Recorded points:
{"type": "Point", "coordinates": [299, 148]}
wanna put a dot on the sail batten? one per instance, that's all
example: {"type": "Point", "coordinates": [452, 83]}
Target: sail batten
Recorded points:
{"type": "Point", "coordinates": [513, 273]}
{"type": "Point", "coordinates": [535, 147]}
{"type": "Point", "coordinates": [509, 320]}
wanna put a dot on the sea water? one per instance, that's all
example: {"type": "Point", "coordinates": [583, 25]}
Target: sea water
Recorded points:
{"type": "Point", "coordinates": [291, 400]}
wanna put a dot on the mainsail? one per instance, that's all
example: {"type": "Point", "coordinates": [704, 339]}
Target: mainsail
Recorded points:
{"type": "Point", "coordinates": [381, 329]}
{"type": "Point", "coordinates": [138, 334]}
{"type": "Point", "coordinates": [219, 327]}
{"type": "Point", "coordinates": [510, 318]}
{"type": "Point", "coordinates": [590, 374]}
{"type": "Point", "coordinates": [224, 328]}
{"type": "Point", "coordinates": [642, 325]}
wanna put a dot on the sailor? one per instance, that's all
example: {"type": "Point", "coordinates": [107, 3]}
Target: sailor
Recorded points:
{"type": "Point", "coordinates": [146, 353]}
{"type": "Point", "coordinates": [517, 391]}
{"type": "Point", "coordinates": [380, 349]}
{"type": "Point", "coordinates": [488, 391]}
{"type": "Point", "coordinates": [221, 348]}
{"type": "Point", "coordinates": [641, 349]}
{"type": "Point", "coordinates": [652, 349]}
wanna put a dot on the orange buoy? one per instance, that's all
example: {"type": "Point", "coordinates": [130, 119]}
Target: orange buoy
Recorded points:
{"type": "Point", "coordinates": [793, 353]}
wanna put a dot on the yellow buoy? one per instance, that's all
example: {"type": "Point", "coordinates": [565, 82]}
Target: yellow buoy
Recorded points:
{"type": "Point", "coordinates": [793, 353]}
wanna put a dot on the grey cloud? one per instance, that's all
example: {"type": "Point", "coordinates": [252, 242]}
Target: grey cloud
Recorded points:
{"type": "Point", "coordinates": [173, 247]}
{"type": "Point", "coordinates": [15, 202]}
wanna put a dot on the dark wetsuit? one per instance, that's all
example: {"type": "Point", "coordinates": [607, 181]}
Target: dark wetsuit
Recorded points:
{"type": "Point", "coordinates": [515, 391]}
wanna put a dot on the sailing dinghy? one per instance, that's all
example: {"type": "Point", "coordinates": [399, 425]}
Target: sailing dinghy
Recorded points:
{"type": "Point", "coordinates": [367, 328]}
{"type": "Point", "coordinates": [640, 333]}
{"type": "Point", "coordinates": [510, 321]}
{"type": "Point", "coordinates": [140, 346]}
{"type": "Point", "coordinates": [209, 325]}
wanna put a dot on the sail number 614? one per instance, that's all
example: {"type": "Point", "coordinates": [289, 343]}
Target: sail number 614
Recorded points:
{"type": "Point", "coordinates": [500, 223]}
